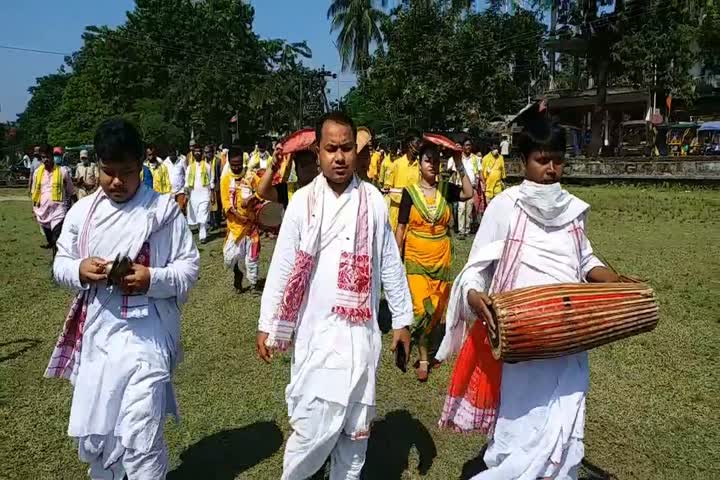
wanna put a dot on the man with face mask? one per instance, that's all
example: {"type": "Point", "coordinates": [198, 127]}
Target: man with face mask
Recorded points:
{"type": "Point", "coordinates": [493, 172]}
{"type": "Point", "coordinates": [530, 235]}
{"type": "Point", "coordinates": [51, 190]}
{"type": "Point", "coordinates": [86, 175]}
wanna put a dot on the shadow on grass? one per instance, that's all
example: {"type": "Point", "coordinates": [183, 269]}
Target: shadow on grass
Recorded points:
{"type": "Point", "coordinates": [389, 447]}
{"type": "Point", "coordinates": [474, 466]}
{"type": "Point", "coordinates": [22, 345]}
{"type": "Point", "coordinates": [593, 472]}
{"type": "Point", "coordinates": [226, 454]}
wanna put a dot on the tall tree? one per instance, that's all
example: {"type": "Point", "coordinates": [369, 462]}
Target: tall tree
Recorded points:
{"type": "Point", "coordinates": [358, 25]}
{"type": "Point", "coordinates": [46, 97]}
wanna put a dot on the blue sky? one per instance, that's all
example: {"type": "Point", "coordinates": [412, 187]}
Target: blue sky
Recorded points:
{"type": "Point", "coordinates": [56, 25]}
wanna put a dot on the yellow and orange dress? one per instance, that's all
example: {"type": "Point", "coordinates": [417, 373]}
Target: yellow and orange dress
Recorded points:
{"type": "Point", "coordinates": [428, 254]}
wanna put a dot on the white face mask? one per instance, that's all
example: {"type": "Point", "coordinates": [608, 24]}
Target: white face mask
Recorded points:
{"type": "Point", "coordinates": [549, 204]}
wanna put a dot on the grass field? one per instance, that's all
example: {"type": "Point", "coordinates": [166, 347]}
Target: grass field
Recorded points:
{"type": "Point", "coordinates": [652, 411]}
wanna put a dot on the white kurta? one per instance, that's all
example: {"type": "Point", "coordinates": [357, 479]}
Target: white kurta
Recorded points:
{"type": "Point", "coordinates": [198, 211]}
{"type": "Point", "coordinates": [320, 368]}
{"type": "Point", "coordinates": [539, 430]}
{"type": "Point", "coordinates": [123, 388]}
{"type": "Point", "coordinates": [177, 174]}
{"type": "Point", "coordinates": [331, 395]}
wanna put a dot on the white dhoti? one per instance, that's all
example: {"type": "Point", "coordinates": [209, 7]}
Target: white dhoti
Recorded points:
{"type": "Point", "coordinates": [199, 210]}
{"type": "Point", "coordinates": [122, 375]}
{"type": "Point", "coordinates": [322, 428]}
{"type": "Point", "coordinates": [110, 460]}
{"type": "Point", "coordinates": [235, 250]}
{"type": "Point", "coordinates": [539, 431]}
{"type": "Point", "coordinates": [541, 413]}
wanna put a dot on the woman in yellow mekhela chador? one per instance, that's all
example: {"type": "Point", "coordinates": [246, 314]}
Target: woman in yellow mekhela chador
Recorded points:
{"type": "Point", "coordinates": [405, 171]}
{"type": "Point", "coordinates": [423, 236]}
{"type": "Point", "coordinates": [493, 172]}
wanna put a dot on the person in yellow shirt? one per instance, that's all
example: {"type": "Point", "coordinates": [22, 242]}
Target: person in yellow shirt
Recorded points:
{"type": "Point", "coordinates": [160, 172]}
{"type": "Point", "coordinates": [405, 172]}
{"type": "Point", "coordinates": [242, 241]}
{"type": "Point", "coordinates": [493, 172]}
{"type": "Point", "coordinates": [375, 160]}
{"type": "Point", "coordinates": [386, 167]}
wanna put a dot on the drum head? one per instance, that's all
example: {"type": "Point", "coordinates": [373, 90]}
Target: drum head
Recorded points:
{"type": "Point", "coordinates": [270, 214]}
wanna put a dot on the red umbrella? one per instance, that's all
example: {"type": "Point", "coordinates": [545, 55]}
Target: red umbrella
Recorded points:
{"type": "Point", "coordinates": [443, 141]}
{"type": "Point", "coordinates": [300, 140]}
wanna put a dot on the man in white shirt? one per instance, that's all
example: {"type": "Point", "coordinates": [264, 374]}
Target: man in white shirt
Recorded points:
{"type": "Point", "coordinates": [530, 235]}
{"type": "Point", "coordinates": [471, 162]}
{"type": "Point", "coordinates": [200, 186]}
{"type": "Point", "coordinates": [86, 175]}
{"type": "Point", "coordinates": [177, 165]}
{"type": "Point", "coordinates": [121, 340]}
{"type": "Point", "coordinates": [505, 147]}
{"type": "Point", "coordinates": [334, 251]}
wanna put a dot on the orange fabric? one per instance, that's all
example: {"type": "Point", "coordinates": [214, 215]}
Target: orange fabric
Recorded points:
{"type": "Point", "coordinates": [474, 392]}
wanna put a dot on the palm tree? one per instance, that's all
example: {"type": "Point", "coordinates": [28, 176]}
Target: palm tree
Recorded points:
{"type": "Point", "coordinates": [358, 23]}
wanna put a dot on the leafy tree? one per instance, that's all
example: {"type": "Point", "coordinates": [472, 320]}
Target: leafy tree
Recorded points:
{"type": "Point", "coordinates": [45, 98]}
{"type": "Point", "coordinates": [358, 25]}
{"type": "Point", "coordinates": [173, 66]}
{"type": "Point", "coordinates": [443, 70]}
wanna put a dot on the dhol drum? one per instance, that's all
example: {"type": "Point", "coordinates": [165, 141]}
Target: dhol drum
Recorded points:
{"type": "Point", "coordinates": [269, 215]}
{"type": "Point", "coordinates": [557, 320]}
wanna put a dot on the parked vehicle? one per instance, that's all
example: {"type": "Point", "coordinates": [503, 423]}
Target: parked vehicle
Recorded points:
{"type": "Point", "coordinates": [682, 139]}
{"type": "Point", "coordinates": [709, 138]}
{"type": "Point", "coordinates": [634, 139]}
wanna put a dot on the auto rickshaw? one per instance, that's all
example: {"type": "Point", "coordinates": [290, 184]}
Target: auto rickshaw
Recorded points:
{"type": "Point", "coordinates": [682, 139]}
{"type": "Point", "coordinates": [709, 138]}
{"type": "Point", "coordinates": [634, 139]}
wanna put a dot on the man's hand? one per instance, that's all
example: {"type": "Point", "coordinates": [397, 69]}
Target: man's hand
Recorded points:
{"type": "Point", "coordinates": [480, 304]}
{"type": "Point", "coordinates": [137, 281]}
{"type": "Point", "coordinates": [265, 353]}
{"type": "Point", "coordinates": [92, 269]}
{"type": "Point", "coordinates": [401, 336]}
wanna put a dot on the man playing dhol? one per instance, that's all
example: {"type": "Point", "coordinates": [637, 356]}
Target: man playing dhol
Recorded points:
{"type": "Point", "coordinates": [530, 235]}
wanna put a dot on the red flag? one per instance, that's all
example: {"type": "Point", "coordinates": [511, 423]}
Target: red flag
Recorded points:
{"type": "Point", "coordinates": [234, 118]}
{"type": "Point", "coordinates": [668, 102]}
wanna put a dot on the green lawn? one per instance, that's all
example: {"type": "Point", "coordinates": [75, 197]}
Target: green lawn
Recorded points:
{"type": "Point", "coordinates": [652, 411]}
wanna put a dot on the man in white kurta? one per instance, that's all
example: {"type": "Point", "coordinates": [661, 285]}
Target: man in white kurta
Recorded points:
{"type": "Point", "coordinates": [331, 395]}
{"type": "Point", "coordinates": [541, 415]}
{"type": "Point", "coordinates": [200, 186]}
{"type": "Point", "coordinates": [130, 341]}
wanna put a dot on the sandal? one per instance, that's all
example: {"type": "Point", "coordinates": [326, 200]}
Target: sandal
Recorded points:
{"type": "Point", "coordinates": [421, 371]}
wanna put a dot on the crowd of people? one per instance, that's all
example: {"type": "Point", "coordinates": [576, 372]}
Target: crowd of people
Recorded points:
{"type": "Point", "coordinates": [359, 223]}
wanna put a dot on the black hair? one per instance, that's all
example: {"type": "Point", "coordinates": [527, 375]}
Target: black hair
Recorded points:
{"type": "Point", "coordinates": [466, 139]}
{"type": "Point", "coordinates": [117, 140]}
{"type": "Point", "coordinates": [234, 151]}
{"type": "Point", "coordinates": [429, 149]}
{"type": "Point", "coordinates": [337, 117]}
{"type": "Point", "coordinates": [541, 134]}
{"type": "Point", "coordinates": [304, 156]}
{"type": "Point", "coordinates": [45, 148]}
{"type": "Point", "coordinates": [411, 137]}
